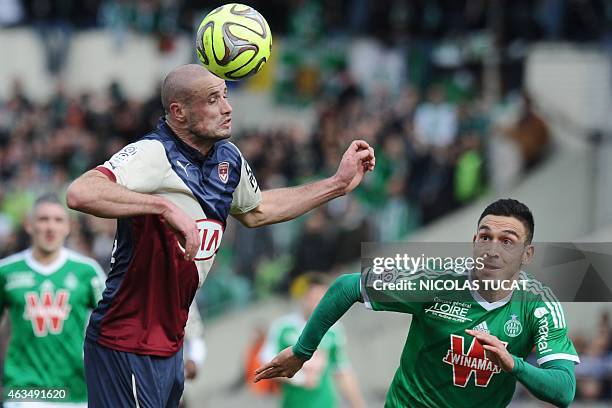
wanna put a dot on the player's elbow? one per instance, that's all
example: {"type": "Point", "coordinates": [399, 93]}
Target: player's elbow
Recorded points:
{"type": "Point", "coordinates": [565, 400]}
{"type": "Point", "coordinates": [79, 195]}
{"type": "Point", "coordinates": [74, 197]}
{"type": "Point", "coordinates": [566, 394]}
{"type": "Point", "coordinates": [567, 397]}
{"type": "Point", "coordinates": [252, 219]}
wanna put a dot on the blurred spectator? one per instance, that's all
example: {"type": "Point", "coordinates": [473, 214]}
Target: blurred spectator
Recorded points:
{"type": "Point", "coordinates": [152, 17]}
{"type": "Point", "coordinates": [435, 121]}
{"type": "Point", "coordinates": [521, 141]}
{"type": "Point", "coordinates": [594, 373]}
{"type": "Point", "coordinates": [11, 13]}
{"type": "Point", "coordinates": [530, 133]}
{"type": "Point", "coordinates": [54, 22]}
{"type": "Point", "coordinates": [317, 384]}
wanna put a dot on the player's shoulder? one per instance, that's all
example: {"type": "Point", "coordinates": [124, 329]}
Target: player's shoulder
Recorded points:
{"type": "Point", "coordinates": [144, 148]}
{"type": "Point", "coordinates": [149, 144]}
{"type": "Point", "coordinates": [536, 291]}
{"type": "Point", "coordinates": [541, 302]}
{"type": "Point", "coordinates": [228, 151]}
{"type": "Point", "coordinates": [85, 264]}
{"type": "Point", "coordinates": [10, 260]}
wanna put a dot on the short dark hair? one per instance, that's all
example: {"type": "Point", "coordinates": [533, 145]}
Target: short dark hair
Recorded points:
{"type": "Point", "coordinates": [48, 198]}
{"type": "Point", "coordinates": [508, 207]}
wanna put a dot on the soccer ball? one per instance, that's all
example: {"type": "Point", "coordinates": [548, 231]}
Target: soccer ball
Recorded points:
{"type": "Point", "coordinates": [234, 41]}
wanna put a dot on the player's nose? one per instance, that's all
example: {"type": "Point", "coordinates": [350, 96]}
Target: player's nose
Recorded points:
{"type": "Point", "coordinates": [226, 107]}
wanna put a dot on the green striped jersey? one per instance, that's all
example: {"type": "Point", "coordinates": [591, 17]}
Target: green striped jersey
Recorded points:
{"type": "Point", "coordinates": [49, 306]}
{"type": "Point", "coordinates": [441, 365]}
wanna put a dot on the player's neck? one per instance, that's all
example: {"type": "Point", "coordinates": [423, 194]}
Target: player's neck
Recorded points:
{"type": "Point", "coordinates": [492, 296]}
{"type": "Point", "coordinates": [43, 257]}
{"type": "Point", "coordinates": [202, 146]}
{"type": "Point", "coordinates": [496, 295]}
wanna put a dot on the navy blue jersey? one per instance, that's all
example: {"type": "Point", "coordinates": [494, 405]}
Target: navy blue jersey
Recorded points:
{"type": "Point", "coordinates": [150, 286]}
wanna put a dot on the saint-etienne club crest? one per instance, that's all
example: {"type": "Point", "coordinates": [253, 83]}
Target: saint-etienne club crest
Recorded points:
{"type": "Point", "coordinates": [223, 171]}
{"type": "Point", "coordinates": [513, 327]}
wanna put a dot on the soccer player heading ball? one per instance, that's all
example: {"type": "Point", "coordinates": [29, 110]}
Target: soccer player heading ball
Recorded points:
{"type": "Point", "coordinates": [472, 355]}
{"type": "Point", "coordinates": [172, 192]}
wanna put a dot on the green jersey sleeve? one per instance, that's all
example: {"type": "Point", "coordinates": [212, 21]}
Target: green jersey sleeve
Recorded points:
{"type": "Point", "coordinates": [549, 327]}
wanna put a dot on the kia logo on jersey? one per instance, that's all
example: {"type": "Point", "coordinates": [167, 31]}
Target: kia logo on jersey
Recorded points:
{"type": "Point", "coordinates": [47, 312]}
{"type": "Point", "coordinates": [223, 170]}
{"type": "Point", "coordinates": [211, 232]}
{"type": "Point", "coordinates": [474, 361]}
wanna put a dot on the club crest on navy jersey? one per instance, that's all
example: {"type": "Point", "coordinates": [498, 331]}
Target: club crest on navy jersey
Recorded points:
{"type": "Point", "coordinates": [223, 171]}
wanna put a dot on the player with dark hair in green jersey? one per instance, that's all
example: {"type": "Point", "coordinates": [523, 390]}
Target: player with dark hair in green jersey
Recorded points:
{"type": "Point", "coordinates": [48, 291]}
{"type": "Point", "coordinates": [464, 348]}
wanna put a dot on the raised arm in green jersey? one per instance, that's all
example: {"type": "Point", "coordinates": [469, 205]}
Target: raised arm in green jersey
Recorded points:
{"type": "Point", "coordinates": [337, 300]}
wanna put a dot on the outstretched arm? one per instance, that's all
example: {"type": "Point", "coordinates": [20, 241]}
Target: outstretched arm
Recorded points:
{"type": "Point", "coordinates": [553, 382]}
{"type": "Point", "coordinates": [337, 300]}
{"type": "Point", "coordinates": [94, 193]}
{"type": "Point", "coordinates": [285, 204]}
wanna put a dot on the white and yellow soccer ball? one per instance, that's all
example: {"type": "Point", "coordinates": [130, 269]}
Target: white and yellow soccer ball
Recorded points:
{"type": "Point", "coordinates": [234, 41]}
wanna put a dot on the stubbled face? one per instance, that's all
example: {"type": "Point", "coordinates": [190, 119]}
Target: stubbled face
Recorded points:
{"type": "Point", "coordinates": [209, 115]}
{"type": "Point", "coordinates": [313, 296]}
{"type": "Point", "coordinates": [48, 227]}
{"type": "Point", "coordinates": [501, 242]}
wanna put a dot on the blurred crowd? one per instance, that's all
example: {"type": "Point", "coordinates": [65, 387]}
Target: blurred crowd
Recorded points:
{"type": "Point", "coordinates": [392, 21]}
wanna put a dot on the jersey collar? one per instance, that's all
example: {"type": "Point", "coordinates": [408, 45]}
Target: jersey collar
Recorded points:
{"type": "Point", "coordinates": [486, 305]}
{"type": "Point", "coordinates": [192, 154]}
{"type": "Point", "coordinates": [46, 269]}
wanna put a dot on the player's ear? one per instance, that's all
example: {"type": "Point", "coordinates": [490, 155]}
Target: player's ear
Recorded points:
{"type": "Point", "coordinates": [528, 254]}
{"type": "Point", "coordinates": [177, 111]}
{"type": "Point", "coordinates": [474, 239]}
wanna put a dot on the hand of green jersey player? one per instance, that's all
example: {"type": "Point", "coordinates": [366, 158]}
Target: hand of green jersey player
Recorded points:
{"type": "Point", "coordinates": [496, 350]}
{"type": "Point", "coordinates": [285, 364]}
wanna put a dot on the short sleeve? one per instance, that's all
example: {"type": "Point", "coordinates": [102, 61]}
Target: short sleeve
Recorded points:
{"type": "Point", "coordinates": [550, 333]}
{"type": "Point", "coordinates": [140, 166]}
{"type": "Point", "coordinates": [247, 194]}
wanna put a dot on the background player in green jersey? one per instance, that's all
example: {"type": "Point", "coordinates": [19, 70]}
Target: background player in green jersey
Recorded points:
{"type": "Point", "coordinates": [48, 291]}
{"type": "Point", "coordinates": [315, 385]}
{"type": "Point", "coordinates": [463, 349]}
